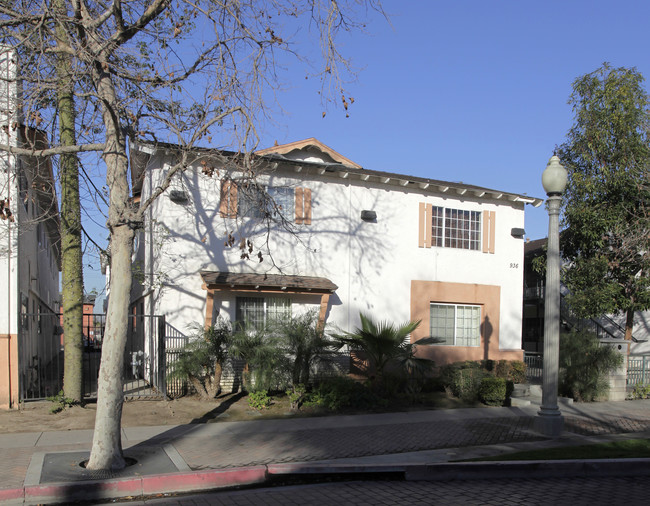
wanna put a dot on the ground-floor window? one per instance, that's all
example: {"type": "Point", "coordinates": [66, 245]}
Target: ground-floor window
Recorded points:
{"type": "Point", "coordinates": [455, 324]}
{"type": "Point", "coordinates": [253, 313]}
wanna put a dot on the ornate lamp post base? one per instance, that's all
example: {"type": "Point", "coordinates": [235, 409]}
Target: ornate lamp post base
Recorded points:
{"type": "Point", "coordinates": [549, 422]}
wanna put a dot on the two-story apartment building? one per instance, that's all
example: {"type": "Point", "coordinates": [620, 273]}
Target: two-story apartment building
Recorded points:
{"type": "Point", "coordinates": [339, 239]}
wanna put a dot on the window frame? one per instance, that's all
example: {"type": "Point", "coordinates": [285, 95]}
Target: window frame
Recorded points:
{"type": "Point", "coordinates": [263, 201]}
{"type": "Point", "coordinates": [265, 313]}
{"type": "Point", "coordinates": [478, 336]}
{"type": "Point", "coordinates": [448, 223]}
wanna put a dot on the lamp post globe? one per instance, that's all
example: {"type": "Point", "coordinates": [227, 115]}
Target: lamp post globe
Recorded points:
{"type": "Point", "coordinates": [549, 420]}
{"type": "Point", "coordinates": [554, 177]}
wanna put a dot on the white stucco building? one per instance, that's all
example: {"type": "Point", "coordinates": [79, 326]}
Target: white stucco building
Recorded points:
{"type": "Point", "coordinates": [29, 249]}
{"type": "Point", "coordinates": [393, 246]}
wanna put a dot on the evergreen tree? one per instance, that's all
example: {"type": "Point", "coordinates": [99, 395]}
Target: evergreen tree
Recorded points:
{"type": "Point", "coordinates": [607, 155]}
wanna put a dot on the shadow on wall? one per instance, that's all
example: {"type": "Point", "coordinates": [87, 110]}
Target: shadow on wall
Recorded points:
{"type": "Point", "coordinates": [486, 334]}
{"type": "Point", "coordinates": [193, 236]}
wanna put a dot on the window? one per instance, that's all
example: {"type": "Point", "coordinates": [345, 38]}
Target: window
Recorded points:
{"type": "Point", "coordinates": [294, 204]}
{"type": "Point", "coordinates": [253, 313]}
{"type": "Point", "coordinates": [456, 325]}
{"type": "Point", "coordinates": [454, 228]}
{"type": "Point", "coordinates": [259, 202]}
{"type": "Point", "coordinates": [444, 227]}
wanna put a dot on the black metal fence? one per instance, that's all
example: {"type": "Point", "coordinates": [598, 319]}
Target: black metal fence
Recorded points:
{"type": "Point", "coordinates": [41, 356]}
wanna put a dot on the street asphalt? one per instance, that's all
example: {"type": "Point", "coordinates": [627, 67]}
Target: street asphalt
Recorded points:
{"type": "Point", "coordinates": [416, 449]}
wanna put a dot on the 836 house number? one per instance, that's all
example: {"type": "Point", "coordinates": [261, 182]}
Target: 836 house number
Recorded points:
{"type": "Point", "coordinates": [514, 266]}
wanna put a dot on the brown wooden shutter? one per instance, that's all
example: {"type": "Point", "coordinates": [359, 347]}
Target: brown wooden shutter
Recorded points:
{"type": "Point", "coordinates": [307, 207]}
{"type": "Point", "coordinates": [303, 206]}
{"type": "Point", "coordinates": [424, 225]}
{"type": "Point", "coordinates": [299, 205]}
{"type": "Point", "coordinates": [228, 204]}
{"type": "Point", "coordinates": [489, 231]}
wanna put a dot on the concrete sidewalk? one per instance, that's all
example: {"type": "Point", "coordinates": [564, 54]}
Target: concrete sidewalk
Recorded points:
{"type": "Point", "coordinates": [416, 445]}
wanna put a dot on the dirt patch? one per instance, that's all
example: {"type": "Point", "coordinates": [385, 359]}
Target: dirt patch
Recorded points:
{"type": "Point", "coordinates": [37, 416]}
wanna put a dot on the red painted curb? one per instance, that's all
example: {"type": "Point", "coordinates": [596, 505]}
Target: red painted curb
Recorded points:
{"type": "Point", "coordinates": [11, 494]}
{"type": "Point", "coordinates": [203, 480]}
{"type": "Point", "coordinates": [84, 490]}
{"type": "Point", "coordinates": [138, 486]}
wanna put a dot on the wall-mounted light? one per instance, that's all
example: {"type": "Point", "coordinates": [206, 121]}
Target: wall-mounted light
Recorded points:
{"type": "Point", "coordinates": [368, 215]}
{"type": "Point", "coordinates": [178, 197]}
{"type": "Point", "coordinates": [517, 232]}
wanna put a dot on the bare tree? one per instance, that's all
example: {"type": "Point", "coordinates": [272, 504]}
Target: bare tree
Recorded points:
{"type": "Point", "coordinates": [178, 71]}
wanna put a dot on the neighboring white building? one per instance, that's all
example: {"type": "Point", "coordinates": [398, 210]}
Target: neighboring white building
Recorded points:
{"type": "Point", "coordinates": [393, 246]}
{"type": "Point", "coordinates": [29, 250]}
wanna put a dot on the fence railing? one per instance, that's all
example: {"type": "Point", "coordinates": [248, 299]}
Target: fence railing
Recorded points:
{"type": "Point", "coordinates": [534, 366]}
{"type": "Point", "coordinates": [638, 370]}
{"type": "Point", "coordinates": [41, 350]}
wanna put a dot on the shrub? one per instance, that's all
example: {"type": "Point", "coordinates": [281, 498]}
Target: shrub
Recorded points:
{"type": "Point", "coordinates": [584, 366]}
{"type": "Point", "coordinates": [201, 361]}
{"type": "Point", "coordinates": [640, 392]}
{"type": "Point", "coordinates": [384, 343]}
{"type": "Point", "coordinates": [302, 339]}
{"type": "Point", "coordinates": [61, 402]}
{"type": "Point", "coordinates": [296, 395]}
{"type": "Point", "coordinates": [340, 393]}
{"type": "Point", "coordinates": [512, 370]}
{"type": "Point", "coordinates": [463, 379]}
{"type": "Point", "coordinates": [493, 391]}
{"type": "Point", "coordinates": [259, 400]}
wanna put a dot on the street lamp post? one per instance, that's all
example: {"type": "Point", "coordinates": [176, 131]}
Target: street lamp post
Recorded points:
{"type": "Point", "coordinates": [549, 420]}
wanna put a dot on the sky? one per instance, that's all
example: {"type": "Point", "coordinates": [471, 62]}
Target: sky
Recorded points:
{"type": "Point", "coordinates": [465, 91]}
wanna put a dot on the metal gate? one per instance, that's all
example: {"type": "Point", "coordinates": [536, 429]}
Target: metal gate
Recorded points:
{"type": "Point", "coordinates": [41, 355]}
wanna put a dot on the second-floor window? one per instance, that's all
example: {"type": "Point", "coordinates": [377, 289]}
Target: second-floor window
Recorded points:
{"type": "Point", "coordinates": [292, 204]}
{"type": "Point", "coordinates": [455, 228]}
{"type": "Point", "coordinates": [261, 202]}
{"type": "Point", "coordinates": [446, 227]}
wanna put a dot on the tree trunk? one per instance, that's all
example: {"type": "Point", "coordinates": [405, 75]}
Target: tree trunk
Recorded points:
{"type": "Point", "coordinates": [106, 452]}
{"type": "Point", "coordinates": [629, 324]}
{"type": "Point", "coordinates": [71, 248]}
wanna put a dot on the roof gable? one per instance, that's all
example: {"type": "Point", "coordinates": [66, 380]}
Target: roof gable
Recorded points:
{"type": "Point", "coordinates": [308, 150]}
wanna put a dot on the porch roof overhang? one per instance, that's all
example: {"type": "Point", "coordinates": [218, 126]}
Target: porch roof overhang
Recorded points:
{"type": "Point", "coordinates": [249, 282]}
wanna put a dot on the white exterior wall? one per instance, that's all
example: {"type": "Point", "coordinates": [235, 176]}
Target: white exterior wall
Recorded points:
{"type": "Point", "coordinates": [372, 263]}
{"type": "Point", "coordinates": [8, 244]}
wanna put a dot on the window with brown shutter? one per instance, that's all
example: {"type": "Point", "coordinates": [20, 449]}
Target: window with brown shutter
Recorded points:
{"type": "Point", "coordinates": [454, 228]}
{"type": "Point", "coordinates": [303, 206]}
{"type": "Point", "coordinates": [228, 204]}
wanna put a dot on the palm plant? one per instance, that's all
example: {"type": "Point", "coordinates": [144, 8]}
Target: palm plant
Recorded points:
{"type": "Point", "coordinates": [266, 363]}
{"type": "Point", "coordinates": [304, 340]}
{"type": "Point", "coordinates": [384, 342]}
{"type": "Point", "coordinates": [201, 361]}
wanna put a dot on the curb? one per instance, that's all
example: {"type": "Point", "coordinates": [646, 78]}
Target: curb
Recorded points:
{"type": "Point", "coordinates": [135, 487]}
{"type": "Point", "coordinates": [200, 481]}
{"type": "Point", "coordinates": [523, 469]}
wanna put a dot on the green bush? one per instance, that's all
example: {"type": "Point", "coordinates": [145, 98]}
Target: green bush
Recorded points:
{"type": "Point", "coordinates": [336, 394]}
{"type": "Point", "coordinates": [61, 402]}
{"type": "Point", "coordinates": [493, 391]}
{"type": "Point", "coordinates": [641, 392]}
{"type": "Point", "coordinates": [385, 347]}
{"type": "Point", "coordinates": [296, 395]}
{"type": "Point", "coordinates": [585, 365]}
{"type": "Point", "coordinates": [259, 400]}
{"type": "Point", "coordinates": [463, 379]}
{"type": "Point", "coordinates": [512, 370]}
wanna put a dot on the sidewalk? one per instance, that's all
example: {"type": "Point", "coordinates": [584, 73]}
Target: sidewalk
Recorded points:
{"type": "Point", "coordinates": [43, 466]}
